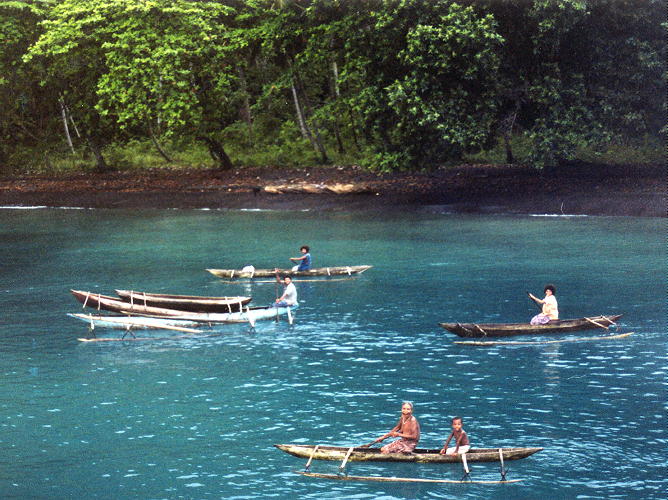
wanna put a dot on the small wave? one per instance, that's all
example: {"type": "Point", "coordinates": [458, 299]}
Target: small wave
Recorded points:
{"type": "Point", "coordinates": [266, 210]}
{"type": "Point", "coordinates": [558, 215]}
{"type": "Point", "coordinates": [19, 207]}
{"type": "Point", "coordinates": [41, 207]}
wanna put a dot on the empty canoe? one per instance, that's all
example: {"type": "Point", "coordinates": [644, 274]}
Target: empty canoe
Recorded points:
{"type": "Point", "coordinates": [191, 303]}
{"type": "Point", "coordinates": [107, 303]}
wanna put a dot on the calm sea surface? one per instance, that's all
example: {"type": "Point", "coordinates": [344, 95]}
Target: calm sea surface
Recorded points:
{"type": "Point", "coordinates": [197, 417]}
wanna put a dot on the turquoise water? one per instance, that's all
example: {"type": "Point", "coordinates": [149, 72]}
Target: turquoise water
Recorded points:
{"type": "Point", "coordinates": [196, 418]}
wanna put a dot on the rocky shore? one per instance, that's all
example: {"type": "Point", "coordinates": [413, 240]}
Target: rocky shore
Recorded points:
{"type": "Point", "coordinates": [569, 189]}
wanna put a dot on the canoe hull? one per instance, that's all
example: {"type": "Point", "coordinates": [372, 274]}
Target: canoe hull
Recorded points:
{"type": "Point", "coordinates": [420, 455]}
{"type": "Point", "coordinates": [248, 315]}
{"type": "Point", "coordinates": [482, 330]}
{"type": "Point", "coordinates": [266, 273]}
{"type": "Point", "coordinates": [190, 303]}
{"type": "Point", "coordinates": [107, 303]}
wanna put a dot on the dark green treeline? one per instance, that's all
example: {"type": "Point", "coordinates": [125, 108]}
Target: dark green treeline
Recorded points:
{"type": "Point", "coordinates": [385, 83]}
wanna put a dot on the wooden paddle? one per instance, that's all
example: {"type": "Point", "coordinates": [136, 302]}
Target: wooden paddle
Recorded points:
{"type": "Point", "coordinates": [597, 323]}
{"type": "Point", "coordinates": [532, 300]}
{"type": "Point", "coordinates": [368, 445]}
{"type": "Point", "coordinates": [276, 290]}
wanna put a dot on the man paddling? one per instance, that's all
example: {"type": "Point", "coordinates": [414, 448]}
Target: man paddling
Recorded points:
{"type": "Point", "coordinates": [304, 262]}
{"type": "Point", "coordinates": [550, 309]}
{"type": "Point", "coordinates": [408, 429]}
{"type": "Point", "coordinates": [289, 297]}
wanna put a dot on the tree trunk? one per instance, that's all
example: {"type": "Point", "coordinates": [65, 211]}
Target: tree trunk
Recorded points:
{"type": "Point", "coordinates": [317, 141]}
{"type": "Point", "coordinates": [353, 129]}
{"type": "Point", "coordinates": [63, 113]}
{"type": "Point", "coordinates": [306, 133]}
{"type": "Point", "coordinates": [506, 127]}
{"type": "Point", "coordinates": [509, 149]}
{"type": "Point", "coordinates": [74, 125]}
{"type": "Point", "coordinates": [217, 152]}
{"type": "Point", "coordinates": [337, 95]}
{"type": "Point", "coordinates": [335, 81]}
{"type": "Point", "coordinates": [508, 123]}
{"type": "Point", "coordinates": [246, 114]}
{"type": "Point", "coordinates": [157, 144]}
{"type": "Point", "coordinates": [96, 149]}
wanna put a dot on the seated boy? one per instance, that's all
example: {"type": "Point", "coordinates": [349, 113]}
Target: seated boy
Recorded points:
{"type": "Point", "coordinates": [461, 439]}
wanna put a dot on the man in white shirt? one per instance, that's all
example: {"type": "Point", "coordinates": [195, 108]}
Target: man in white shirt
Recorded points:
{"type": "Point", "coordinates": [550, 308]}
{"type": "Point", "coordinates": [289, 297]}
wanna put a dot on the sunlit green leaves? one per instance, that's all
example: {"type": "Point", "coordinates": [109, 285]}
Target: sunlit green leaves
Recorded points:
{"type": "Point", "coordinates": [398, 83]}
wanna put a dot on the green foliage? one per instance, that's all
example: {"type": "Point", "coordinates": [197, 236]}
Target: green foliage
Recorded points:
{"type": "Point", "coordinates": [648, 151]}
{"type": "Point", "coordinates": [145, 62]}
{"type": "Point", "coordinates": [522, 147]}
{"type": "Point", "coordinates": [22, 119]}
{"type": "Point", "coordinates": [285, 148]}
{"type": "Point", "coordinates": [389, 84]}
{"type": "Point", "coordinates": [429, 86]}
{"type": "Point", "coordinates": [385, 162]}
{"type": "Point", "coordinates": [616, 151]}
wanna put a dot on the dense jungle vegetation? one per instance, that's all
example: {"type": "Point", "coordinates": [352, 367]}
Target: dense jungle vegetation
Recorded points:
{"type": "Point", "coordinates": [387, 84]}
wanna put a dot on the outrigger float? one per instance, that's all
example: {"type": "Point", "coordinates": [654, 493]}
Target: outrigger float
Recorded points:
{"type": "Point", "coordinates": [183, 323]}
{"type": "Point", "coordinates": [136, 322]}
{"type": "Point", "coordinates": [419, 455]}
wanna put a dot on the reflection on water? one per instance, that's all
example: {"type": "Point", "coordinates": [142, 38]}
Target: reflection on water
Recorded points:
{"type": "Point", "coordinates": [197, 417]}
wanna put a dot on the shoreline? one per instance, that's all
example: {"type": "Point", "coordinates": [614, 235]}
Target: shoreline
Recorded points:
{"type": "Point", "coordinates": [476, 189]}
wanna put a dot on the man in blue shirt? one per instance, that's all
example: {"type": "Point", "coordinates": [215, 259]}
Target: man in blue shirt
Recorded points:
{"type": "Point", "coordinates": [304, 260]}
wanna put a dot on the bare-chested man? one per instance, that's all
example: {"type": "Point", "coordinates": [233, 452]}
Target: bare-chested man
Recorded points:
{"type": "Point", "coordinates": [408, 429]}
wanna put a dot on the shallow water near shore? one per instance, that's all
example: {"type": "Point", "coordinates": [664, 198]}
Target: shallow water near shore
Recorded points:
{"type": "Point", "coordinates": [197, 417]}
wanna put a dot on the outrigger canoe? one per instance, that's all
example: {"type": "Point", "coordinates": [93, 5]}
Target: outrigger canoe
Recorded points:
{"type": "Point", "coordinates": [184, 319]}
{"type": "Point", "coordinates": [420, 455]}
{"type": "Point", "coordinates": [191, 303]}
{"type": "Point", "coordinates": [481, 330]}
{"type": "Point", "coordinates": [266, 273]}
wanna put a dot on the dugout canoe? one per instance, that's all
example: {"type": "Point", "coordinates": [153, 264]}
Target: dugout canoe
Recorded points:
{"type": "Point", "coordinates": [420, 455]}
{"type": "Point", "coordinates": [482, 330]}
{"type": "Point", "coordinates": [190, 303]}
{"type": "Point", "coordinates": [114, 304]}
{"type": "Point", "coordinates": [265, 273]}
